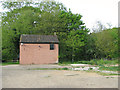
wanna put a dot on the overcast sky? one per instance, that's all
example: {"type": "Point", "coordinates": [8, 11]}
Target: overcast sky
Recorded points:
{"type": "Point", "coordinates": [105, 11]}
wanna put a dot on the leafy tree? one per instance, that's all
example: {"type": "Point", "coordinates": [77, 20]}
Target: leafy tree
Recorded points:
{"type": "Point", "coordinates": [0, 41]}
{"type": "Point", "coordinates": [14, 23]}
{"type": "Point", "coordinates": [75, 31]}
{"type": "Point", "coordinates": [46, 18]}
{"type": "Point", "coordinates": [73, 21]}
{"type": "Point", "coordinates": [98, 27]}
{"type": "Point", "coordinates": [75, 41]}
{"type": "Point", "coordinates": [51, 6]}
{"type": "Point", "coordinates": [107, 42]}
{"type": "Point", "coordinates": [104, 41]}
{"type": "Point", "coordinates": [104, 44]}
{"type": "Point", "coordinates": [90, 47]}
{"type": "Point", "coordinates": [26, 19]}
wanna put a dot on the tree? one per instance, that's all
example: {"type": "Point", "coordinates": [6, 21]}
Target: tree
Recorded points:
{"type": "Point", "coordinates": [46, 18]}
{"type": "Point", "coordinates": [26, 19]}
{"type": "Point", "coordinates": [104, 44]}
{"type": "Point", "coordinates": [14, 23]}
{"type": "Point", "coordinates": [73, 21]}
{"type": "Point", "coordinates": [98, 27]}
{"type": "Point", "coordinates": [75, 40]}
{"type": "Point", "coordinates": [74, 26]}
{"type": "Point", "coordinates": [107, 42]}
{"type": "Point", "coordinates": [51, 6]}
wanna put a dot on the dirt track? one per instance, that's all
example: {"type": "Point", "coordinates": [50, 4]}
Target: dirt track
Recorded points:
{"type": "Point", "coordinates": [18, 76]}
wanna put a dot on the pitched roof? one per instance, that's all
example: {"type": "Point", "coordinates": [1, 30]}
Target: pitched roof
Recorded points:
{"type": "Point", "coordinates": [39, 39]}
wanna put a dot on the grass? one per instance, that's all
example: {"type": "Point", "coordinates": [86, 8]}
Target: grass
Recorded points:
{"type": "Point", "coordinates": [101, 73]}
{"type": "Point", "coordinates": [8, 63]}
{"type": "Point", "coordinates": [75, 62]}
{"type": "Point", "coordinates": [102, 64]}
{"type": "Point", "coordinates": [110, 68]}
{"type": "Point", "coordinates": [107, 74]}
{"type": "Point", "coordinates": [99, 62]}
{"type": "Point", "coordinates": [49, 69]}
{"type": "Point", "coordinates": [64, 63]}
{"type": "Point", "coordinates": [76, 66]}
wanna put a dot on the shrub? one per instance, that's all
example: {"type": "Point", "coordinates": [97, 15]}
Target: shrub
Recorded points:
{"type": "Point", "coordinates": [102, 62]}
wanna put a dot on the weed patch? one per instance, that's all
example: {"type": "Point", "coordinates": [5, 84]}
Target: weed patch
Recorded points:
{"type": "Point", "coordinates": [110, 68]}
{"type": "Point", "coordinates": [49, 69]}
{"type": "Point", "coordinates": [9, 63]}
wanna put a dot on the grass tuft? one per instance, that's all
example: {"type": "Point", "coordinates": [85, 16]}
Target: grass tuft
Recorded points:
{"type": "Point", "coordinates": [110, 68]}
{"type": "Point", "coordinates": [9, 63]}
{"type": "Point", "coordinates": [49, 68]}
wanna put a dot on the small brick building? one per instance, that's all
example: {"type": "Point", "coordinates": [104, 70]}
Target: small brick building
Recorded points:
{"type": "Point", "coordinates": [38, 49]}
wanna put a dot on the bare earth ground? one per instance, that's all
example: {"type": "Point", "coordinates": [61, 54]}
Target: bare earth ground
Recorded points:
{"type": "Point", "coordinates": [18, 76]}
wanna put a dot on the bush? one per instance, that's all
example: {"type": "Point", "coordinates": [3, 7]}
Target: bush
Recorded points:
{"type": "Point", "coordinates": [84, 62]}
{"type": "Point", "coordinates": [112, 68]}
{"type": "Point", "coordinates": [103, 62]}
{"type": "Point", "coordinates": [65, 68]}
{"type": "Point", "coordinates": [100, 62]}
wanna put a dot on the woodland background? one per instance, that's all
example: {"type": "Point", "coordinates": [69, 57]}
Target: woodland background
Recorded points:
{"type": "Point", "coordinates": [77, 43]}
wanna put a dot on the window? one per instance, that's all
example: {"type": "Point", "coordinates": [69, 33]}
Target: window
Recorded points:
{"type": "Point", "coordinates": [51, 46]}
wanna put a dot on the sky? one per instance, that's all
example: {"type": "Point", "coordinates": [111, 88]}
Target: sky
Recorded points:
{"type": "Point", "coordinates": [92, 11]}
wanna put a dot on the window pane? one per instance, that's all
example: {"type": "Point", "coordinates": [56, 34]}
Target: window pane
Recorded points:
{"type": "Point", "coordinates": [51, 46]}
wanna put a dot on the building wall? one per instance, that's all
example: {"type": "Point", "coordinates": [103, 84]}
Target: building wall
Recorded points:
{"type": "Point", "coordinates": [38, 54]}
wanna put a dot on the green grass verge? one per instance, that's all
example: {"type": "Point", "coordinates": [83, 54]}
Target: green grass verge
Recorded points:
{"type": "Point", "coordinates": [99, 62]}
{"type": "Point", "coordinates": [9, 63]}
{"type": "Point", "coordinates": [110, 68]}
{"type": "Point", "coordinates": [101, 73]}
{"type": "Point", "coordinates": [92, 62]}
{"type": "Point", "coordinates": [64, 63]}
{"type": "Point", "coordinates": [49, 69]}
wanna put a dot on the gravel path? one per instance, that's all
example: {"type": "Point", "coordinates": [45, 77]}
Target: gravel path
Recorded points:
{"type": "Point", "coordinates": [18, 76]}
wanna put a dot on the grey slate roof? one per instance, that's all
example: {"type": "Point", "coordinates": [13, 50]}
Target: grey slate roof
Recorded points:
{"type": "Point", "coordinates": [39, 39]}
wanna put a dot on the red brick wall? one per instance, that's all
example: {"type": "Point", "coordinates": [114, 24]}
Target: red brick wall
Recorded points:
{"type": "Point", "coordinates": [38, 54]}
